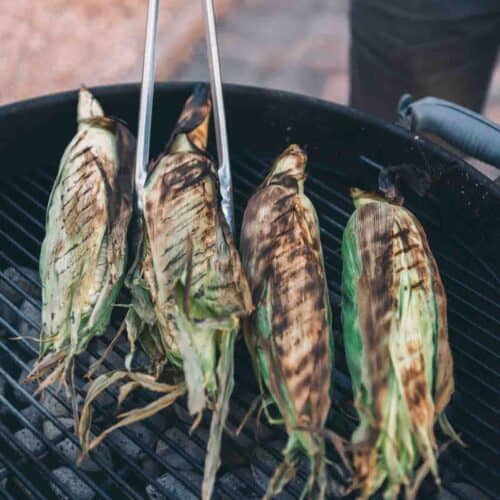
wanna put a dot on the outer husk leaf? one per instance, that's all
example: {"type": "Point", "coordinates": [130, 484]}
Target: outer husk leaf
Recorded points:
{"type": "Point", "coordinates": [289, 335]}
{"type": "Point", "coordinates": [84, 252]}
{"type": "Point", "coordinates": [395, 335]}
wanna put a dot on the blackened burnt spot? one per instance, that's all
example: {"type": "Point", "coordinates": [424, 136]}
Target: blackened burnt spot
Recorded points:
{"type": "Point", "coordinates": [310, 267]}
{"type": "Point", "coordinates": [293, 252]}
{"type": "Point", "coordinates": [80, 153]}
{"type": "Point", "coordinates": [174, 260]}
{"type": "Point", "coordinates": [301, 365]}
{"type": "Point", "coordinates": [379, 285]}
{"type": "Point", "coordinates": [68, 251]}
{"type": "Point", "coordinates": [282, 215]}
{"type": "Point", "coordinates": [402, 250]}
{"type": "Point", "coordinates": [311, 285]}
{"type": "Point", "coordinates": [220, 286]}
{"type": "Point", "coordinates": [303, 384]}
{"type": "Point", "coordinates": [322, 377]}
{"type": "Point", "coordinates": [281, 323]}
{"type": "Point", "coordinates": [386, 259]}
{"type": "Point", "coordinates": [420, 388]}
{"type": "Point", "coordinates": [189, 181]}
{"type": "Point", "coordinates": [384, 305]}
{"type": "Point", "coordinates": [283, 201]}
{"type": "Point", "coordinates": [279, 349]}
{"type": "Point", "coordinates": [418, 284]}
{"type": "Point", "coordinates": [80, 139]}
{"type": "Point", "coordinates": [319, 303]}
{"type": "Point", "coordinates": [284, 231]}
{"type": "Point", "coordinates": [320, 350]}
{"type": "Point", "coordinates": [288, 371]}
{"type": "Point", "coordinates": [414, 265]}
{"type": "Point", "coordinates": [402, 233]}
{"type": "Point", "coordinates": [267, 249]}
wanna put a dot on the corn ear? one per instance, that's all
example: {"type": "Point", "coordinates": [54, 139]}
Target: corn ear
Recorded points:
{"type": "Point", "coordinates": [85, 247]}
{"type": "Point", "coordinates": [396, 341]}
{"type": "Point", "coordinates": [289, 335]}
{"type": "Point", "coordinates": [188, 288]}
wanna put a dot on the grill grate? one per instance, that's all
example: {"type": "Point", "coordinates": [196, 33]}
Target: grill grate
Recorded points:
{"type": "Point", "coordinates": [36, 473]}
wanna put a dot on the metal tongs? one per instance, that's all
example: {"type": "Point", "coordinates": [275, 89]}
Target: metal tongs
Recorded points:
{"type": "Point", "coordinates": [146, 105]}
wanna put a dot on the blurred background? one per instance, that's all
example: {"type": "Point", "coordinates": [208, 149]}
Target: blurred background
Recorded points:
{"type": "Point", "coordinates": [299, 45]}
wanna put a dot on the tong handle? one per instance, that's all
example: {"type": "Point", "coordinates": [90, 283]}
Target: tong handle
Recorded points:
{"type": "Point", "coordinates": [460, 127]}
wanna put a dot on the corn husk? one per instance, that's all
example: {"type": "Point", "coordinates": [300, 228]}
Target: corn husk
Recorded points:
{"type": "Point", "coordinates": [289, 335]}
{"type": "Point", "coordinates": [188, 288]}
{"type": "Point", "coordinates": [396, 341]}
{"type": "Point", "coordinates": [84, 252]}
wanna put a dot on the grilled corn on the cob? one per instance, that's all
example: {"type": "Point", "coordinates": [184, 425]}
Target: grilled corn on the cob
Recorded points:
{"type": "Point", "coordinates": [188, 288]}
{"type": "Point", "coordinates": [289, 335]}
{"type": "Point", "coordinates": [84, 251]}
{"type": "Point", "coordinates": [396, 341]}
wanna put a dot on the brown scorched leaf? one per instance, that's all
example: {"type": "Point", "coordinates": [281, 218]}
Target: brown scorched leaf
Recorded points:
{"type": "Point", "coordinates": [289, 335]}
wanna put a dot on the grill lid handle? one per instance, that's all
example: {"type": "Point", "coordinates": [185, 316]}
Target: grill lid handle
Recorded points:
{"type": "Point", "coordinates": [460, 127]}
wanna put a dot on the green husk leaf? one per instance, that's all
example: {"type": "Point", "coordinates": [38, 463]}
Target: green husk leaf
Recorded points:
{"type": "Point", "coordinates": [225, 376]}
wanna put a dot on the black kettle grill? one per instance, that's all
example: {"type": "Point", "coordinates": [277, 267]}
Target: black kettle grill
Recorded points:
{"type": "Point", "coordinates": [159, 459]}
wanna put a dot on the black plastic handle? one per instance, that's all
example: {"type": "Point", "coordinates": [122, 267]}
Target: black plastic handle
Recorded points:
{"type": "Point", "coordinates": [460, 127]}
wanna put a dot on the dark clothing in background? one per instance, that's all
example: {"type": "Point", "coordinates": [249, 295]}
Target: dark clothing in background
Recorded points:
{"type": "Point", "coordinates": [440, 48]}
{"type": "Point", "coordinates": [435, 9]}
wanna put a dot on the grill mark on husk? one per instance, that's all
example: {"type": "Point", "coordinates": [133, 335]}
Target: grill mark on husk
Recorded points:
{"type": "Point", "coordinates": [183, 196]}
{"type": "Point", "coordinates": [376, 295]}
{"type": "Point", "coordinates": [80, 153]}
{"type": "Point", "coordinates": [84, 164]}
{"type": "Point", "coordinates": [443, 361]}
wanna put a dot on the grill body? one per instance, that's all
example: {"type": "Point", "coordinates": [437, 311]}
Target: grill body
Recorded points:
{"type": "Point", "coordinates": [346, 148]}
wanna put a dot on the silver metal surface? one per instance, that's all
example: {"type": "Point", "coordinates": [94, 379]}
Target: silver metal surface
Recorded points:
{"type": "Point", "coordinates": [146, 103]}
{"type": "Point", "coordinates": [226, 186]}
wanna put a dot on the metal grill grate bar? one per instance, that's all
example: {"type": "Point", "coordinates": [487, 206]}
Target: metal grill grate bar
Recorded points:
{"type": "Point", "coordinates": [272, 452]}
{"type": "Point", "coordinates": [337, 240]}
{"type": "Point", "coordinates": [28, 453]}
{"type": "Point", "coordinates": [160, 461]}
{"type": "Point", "coordinates": [329, 267]}
{"type": "Point", "coordinates": [20, 476]}
{"type": "Point", "coordinates": [40, 408]}
{"type": "Point", "coordinates": [98, 409]}
{"type": "Point", "coordinates": [22, 231]}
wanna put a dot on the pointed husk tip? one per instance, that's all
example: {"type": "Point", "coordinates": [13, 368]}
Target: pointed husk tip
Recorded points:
{"type": "Point", "coordinates": [193, 122]}
{"type": "Point", "coordinates": [88, 106]}
{"type": "Point", "coordinates": [291, 164]}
